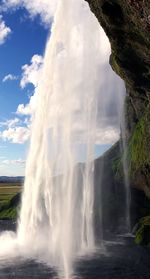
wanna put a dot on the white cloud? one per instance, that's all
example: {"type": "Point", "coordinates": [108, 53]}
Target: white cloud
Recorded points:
{"type": "Point", "coordinates": [12, 167]}
{"type": "Point", "coordinates": [16, 130]}
{"type": "Point", "coordinates": [31, 73]}
{"type": "Point", "coordinates": [29, 108]}
{"type": "Point", "coordinates": [16, 135]}
{"type": "Point", "coordinates": [9, 77]}
{"type": "Point", "coordinates": [10, 123]}
{"type": "Point", "coordinates": [13, 122]}
{"type": "Point", "coordinates": [24, 109]}
{"type": "Point", "coordinates": [4, 31]}
{"type": "Point", "coordinates": [45, 8]}
{"type": "Point", "coordinates": [102, 134]}
{"type": "Point", "coordinates": [107, 135]}
{"type": "Point", "coordinates": [13, 162]}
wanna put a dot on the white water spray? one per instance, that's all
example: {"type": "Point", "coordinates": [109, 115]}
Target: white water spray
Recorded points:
{"type": "Point", "coordinates": [56, 219]}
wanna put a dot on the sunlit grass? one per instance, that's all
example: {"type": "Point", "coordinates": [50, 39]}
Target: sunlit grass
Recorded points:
{"type": "Point", "coordinates": [7, 192]}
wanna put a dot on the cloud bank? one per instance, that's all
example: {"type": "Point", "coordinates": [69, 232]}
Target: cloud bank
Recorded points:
{"type": "Point", "coordinates": [13, 162]}
{"type": "Point", "coordinates": [16, 135]}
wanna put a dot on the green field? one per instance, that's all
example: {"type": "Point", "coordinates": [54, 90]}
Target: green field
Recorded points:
{"type": "Point", "coordinates": [7, 192]}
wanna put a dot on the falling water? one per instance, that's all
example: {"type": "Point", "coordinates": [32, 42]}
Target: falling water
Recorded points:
{"type": "Point", "coordinates": [126, 176]}
{"type": "Point", "coordinates": [57, 212]}
{"type": "Point", "coordinates": [75, 91]}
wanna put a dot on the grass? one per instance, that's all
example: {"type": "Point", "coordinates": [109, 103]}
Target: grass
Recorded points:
{"type": "Point", "coordinates": [7, 192]}
{"type": "Point", "coordinates": [10, 213]}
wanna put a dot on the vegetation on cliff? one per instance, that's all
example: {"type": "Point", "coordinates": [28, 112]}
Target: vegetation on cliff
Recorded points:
{"type": "Point", "coordinates": [139, 155]}
{"type": "Point", "coordinates": [143, 231]}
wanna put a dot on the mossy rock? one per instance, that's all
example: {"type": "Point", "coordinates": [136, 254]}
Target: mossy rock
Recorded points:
{"type": "Point", "coordinates": [136, 156]}
{"type": "Point", "coordinates": [143, 232]}
{"type": "Point", "coordinates": [138, 150]}
{"type": "Point", "coordinates": [117, 167]}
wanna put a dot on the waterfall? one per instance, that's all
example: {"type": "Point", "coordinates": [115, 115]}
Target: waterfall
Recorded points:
{"type": "Point", "coordinates": [57, 212]}
{"type": "Point", "coordinates": [76, 90]}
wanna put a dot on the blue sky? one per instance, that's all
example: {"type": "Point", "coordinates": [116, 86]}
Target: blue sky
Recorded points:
{"type": "Point", "coordinates": [26, 38]}
{"type": "Point", "coordinates": [24, 29]}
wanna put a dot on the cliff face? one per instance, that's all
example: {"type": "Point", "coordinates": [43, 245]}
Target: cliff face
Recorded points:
{"type": "Point", "coordinates": [126, 23]}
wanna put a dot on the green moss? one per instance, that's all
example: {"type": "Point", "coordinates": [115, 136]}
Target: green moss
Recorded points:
{"type": "Point", "coordinates": [143, 232]}
{"type": "Point", "coordinates": [138, 148]}
{"type": "Point", "coordinates": [117, 167]}
{"type": "Point", "coordinates": [137, 154]}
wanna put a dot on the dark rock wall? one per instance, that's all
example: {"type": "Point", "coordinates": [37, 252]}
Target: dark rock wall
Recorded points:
{"type": "Point", "coordinates": [126, 23]}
